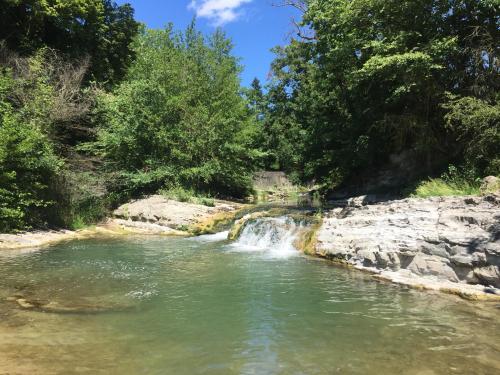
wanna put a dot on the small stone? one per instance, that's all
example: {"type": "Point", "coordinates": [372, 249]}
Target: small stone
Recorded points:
{"type": "Point", "coordinates": [489, 275]}
{"type": "Point", "coordinates": [24, 303]}
{"type": "Point", "coordinates": [462, 260]}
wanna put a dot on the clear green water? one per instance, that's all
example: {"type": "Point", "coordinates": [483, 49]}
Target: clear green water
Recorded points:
{"type": "Point", "coordinates": [185, 306]}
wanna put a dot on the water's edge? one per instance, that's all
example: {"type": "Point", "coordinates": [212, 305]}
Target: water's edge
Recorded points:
{"type": "Point", "coordinates": [382, 239]}
{"type": "Point", "coordinates": [204, 304]}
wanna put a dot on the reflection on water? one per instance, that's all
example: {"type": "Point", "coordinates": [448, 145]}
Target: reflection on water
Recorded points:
{"type": "Point", "coordinates": [185, 306]}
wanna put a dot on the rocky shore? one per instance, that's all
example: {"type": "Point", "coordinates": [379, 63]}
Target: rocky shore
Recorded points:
{"type": "Point", "coordinates": [449, 244]}
{"type": "Point", "coordinates": [37, 239]}
{"type": "Point", "coordinates": [155, 215]}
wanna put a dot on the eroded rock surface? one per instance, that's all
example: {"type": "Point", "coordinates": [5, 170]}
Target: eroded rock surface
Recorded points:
{"type": "Point", "coordinates": [453, 240]}
{"type": "Point", "coordinates": [160, 214]}
{"type": "Point", "coordinates": [30, 241]}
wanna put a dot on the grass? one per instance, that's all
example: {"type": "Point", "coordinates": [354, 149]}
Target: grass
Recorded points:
{"type": "Point", "coordinates": [78, 223]}
{"type": "Point", "coordinates": [438, 187]}
{"type": "Point", "coordinates": [184, 195]}
{"type": "Point", "coordinates": [289, 194]}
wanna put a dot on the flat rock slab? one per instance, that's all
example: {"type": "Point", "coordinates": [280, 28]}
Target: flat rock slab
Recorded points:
{"type": "Point", "coordinates": [446, 239]}
{"type": "Point", "coordinates": [31, 241]}
{"type": "Point", "coordinates": [36, 239]}
{"type": "Point", "coordinates": [161, 212]}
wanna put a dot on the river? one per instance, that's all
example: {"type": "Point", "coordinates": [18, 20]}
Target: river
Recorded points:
{"type": "Point", "coordinates": [157, 305]}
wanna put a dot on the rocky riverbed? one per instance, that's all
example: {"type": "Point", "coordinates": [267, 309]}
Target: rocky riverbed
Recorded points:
{"type": "Point", "coordinates": [450, 244]}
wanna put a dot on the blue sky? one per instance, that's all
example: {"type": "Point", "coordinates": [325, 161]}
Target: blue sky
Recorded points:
{"type": "Point", "coordinates": [255, 26]}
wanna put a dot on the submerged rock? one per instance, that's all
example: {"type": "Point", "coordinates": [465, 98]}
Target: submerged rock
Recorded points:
{"type": "Point", "coordinates": [67, 308]}
{"type": "Point", "coordinates": [25, 304]}
{"type": "Point", "coordinates": [451, 240]}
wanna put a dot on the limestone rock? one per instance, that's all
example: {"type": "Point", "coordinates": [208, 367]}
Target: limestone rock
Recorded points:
{"type": "Point", "coordinates": [157, 211]}
{"type": "Point", "coordinates": [452, 239]}
{"type": "Point", "coordinates": [489, 275]}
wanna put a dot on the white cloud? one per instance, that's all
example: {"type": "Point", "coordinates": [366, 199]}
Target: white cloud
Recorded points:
{"type": "Point", "coordinates": [219, 12]}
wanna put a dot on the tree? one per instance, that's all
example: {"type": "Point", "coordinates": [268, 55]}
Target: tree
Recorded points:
{"type": "Point", "coordinates": [375, 79]}
{"type": "Point", "coordinates": [99, 29]}
{"type": "Point", "coordinates": [28, 162]}
{"type": "Point", "coordinates": [178, 118]}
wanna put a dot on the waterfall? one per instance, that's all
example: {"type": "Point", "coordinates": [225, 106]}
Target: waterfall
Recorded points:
{"type": "Point", "coordinates": [275, 235]}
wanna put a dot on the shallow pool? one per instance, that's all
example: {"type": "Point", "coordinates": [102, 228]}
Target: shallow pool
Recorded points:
{"type": "Point", "coordinates": [152, 305]}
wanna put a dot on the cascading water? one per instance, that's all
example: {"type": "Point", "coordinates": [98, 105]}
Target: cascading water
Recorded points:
{"type": "Point", "coordinates": [275, 235]}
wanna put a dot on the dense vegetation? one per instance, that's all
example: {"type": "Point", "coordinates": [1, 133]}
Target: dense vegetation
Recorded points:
{"type": "Point", "coordinates": [178, 118]}
{"type": "Point", "coordinates": [367, 80]}
{"type": "Point", "coordinates": [95, 108]}
{"type": "Point", "coordinates": [98, 30]}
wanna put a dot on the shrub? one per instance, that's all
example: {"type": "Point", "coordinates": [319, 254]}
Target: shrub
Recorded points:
{"type": "Point", "coordinates": [27, 159]}
{"type": "Point", "coordinates": [78, 223]}
{"type": "Point", "coordinates": [438, 187]}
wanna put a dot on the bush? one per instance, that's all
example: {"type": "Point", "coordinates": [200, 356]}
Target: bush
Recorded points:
{"type": "Point", "coordinates": [78, 223]}
{"type": "Point", "coordinates": [28, 162]}
{"type": "Point", "coordinates": [210, 202]}
{"type": "Point", "coordinates": [178, 194]}
{"type": "Point", "coordinates": [476, 125]}
{"type": "Point", "coordinates": [40, 100]}
{"type": "Point", "coordinates": [438, 187]}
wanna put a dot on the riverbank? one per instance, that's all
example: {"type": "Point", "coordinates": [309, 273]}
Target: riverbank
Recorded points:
{"type": "Point", "coordinates": [155, 215]}
{"type": "Point", "coordinates": [449, 244]}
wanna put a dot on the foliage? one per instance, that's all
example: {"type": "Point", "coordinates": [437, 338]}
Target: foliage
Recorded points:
{"type": "Point", "coordinates": [83, 197]}
{"type": "Point", "coordinates": [476, 124]}
{"type": "Point", "coordinates": [95, 109]}
{"type": "Point", "coordinates": [99, 29]}
{"type": "Point", "coordinates": [41, 101]}
{"type": "Point", "coordinates": [78, 223]}
{"type": "Point", "coordinates": [178, 119]}
{"type": "Point", "coordinates": [27, 158]}
{"type": "Point", "coordinates": [454, 182]}
{"type": "Point", "coordinates": [438, 187]}
{"type": "Point", "coordinates": [70, 151]}
{"type": "Point", "coordinates": [374, 78]}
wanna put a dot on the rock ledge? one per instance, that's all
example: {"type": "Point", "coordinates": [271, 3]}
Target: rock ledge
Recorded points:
{"type": "Point", "coordinates": [445, 243]}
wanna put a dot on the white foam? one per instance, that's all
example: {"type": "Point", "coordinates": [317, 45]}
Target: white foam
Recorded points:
{"type": "Point", "coordinates": [220, 236]}
{"type": "Point", "coordinates": [273, 236]}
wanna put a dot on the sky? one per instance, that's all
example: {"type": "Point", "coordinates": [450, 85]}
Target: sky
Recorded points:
{"type": "Point", "coordinates": [255, 26]}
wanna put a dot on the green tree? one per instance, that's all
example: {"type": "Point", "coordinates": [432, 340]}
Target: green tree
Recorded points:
{"type": "Point", "coordinates": [178, 118]}
{"type": "Point", "coordinates": [99, 29]}
{"type": "Point", "coordinates": [374, 78]}
{"type": "Point", "coordinates": [28, 162]}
